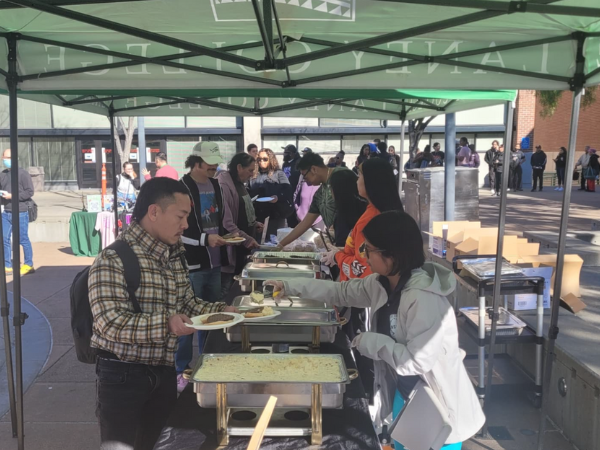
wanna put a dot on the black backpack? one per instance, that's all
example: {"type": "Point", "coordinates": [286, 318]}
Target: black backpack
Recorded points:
{"type": "Point", "coordinates": [81, 312]}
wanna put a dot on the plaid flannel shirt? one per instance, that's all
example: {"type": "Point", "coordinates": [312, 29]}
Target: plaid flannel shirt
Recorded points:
{"type": "Point", "coordinates": [164, 291]}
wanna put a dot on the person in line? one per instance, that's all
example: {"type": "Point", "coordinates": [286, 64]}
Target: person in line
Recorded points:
{"type": "Point", "coordinates": [290, 162]}
{"type": "Point", "coordinates": [339, 159]}
{"type": "Point", "coordinates": [164, 169]}
{"type": "Point", "coordinates": [498, 163]}
{"type": "Point", "coordinates": [270, 181]}
{"type": "Point", "coordinates": [583, 162]}
{"type": "Point", "coordinates": [395, 163]}
{"type": "Point", "coordinates": [517, 158]}
{"type": "Point", "coordinates": [413, 334]}
{"type": "Point", "coordinates": [25, 195]}
{"type": "Point", "coordinates": [438, 155]}
{"type": "Point", "coordinates": [128, 183]}
{"type": "Point", "coordinates": [489, 160]}
{"type": "Point", "coordinates": [561, 163]}
{"type": "Point", "coordinates": [136, 381]}
{"type": "Point", "coordinates": [239, 217]}
{"type": "Point", "coordinates": [423, 159]}
{"type": "Point", "coordinates": [205, 250]}
{"type": "Point", "coordinates": [473, 161]}
{"type": "Point", "coordinates": [538, 164]}
{"type": "Point", "coordinates": [331, 162]}
{"type": "Point", "coordinates": [463, 155]}
{"type": "Point", "coordinates": [382, 149]}
{"type": "Point", "coordinates": [316, 173]}
{"type": "Point", "coordinates": [591, 174]}
{"type": "Point", "coordinates": [365, 153]}
{"type": "Point", "coordinates": [252, 150]}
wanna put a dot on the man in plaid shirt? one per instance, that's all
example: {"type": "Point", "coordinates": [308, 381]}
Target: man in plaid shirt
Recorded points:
{"type": "Point", "coordinates": [136, 379]}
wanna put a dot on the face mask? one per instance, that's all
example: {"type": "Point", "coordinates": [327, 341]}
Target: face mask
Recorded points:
{"type": "Point", "coordinates": [7, 163]}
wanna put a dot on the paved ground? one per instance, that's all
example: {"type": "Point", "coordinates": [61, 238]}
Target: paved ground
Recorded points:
{"type": "Point", "coordinates": [59, 405]}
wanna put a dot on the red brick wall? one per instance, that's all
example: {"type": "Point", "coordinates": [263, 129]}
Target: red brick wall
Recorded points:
{"type": "Point", "coordinates": [525, 118]}
{"type": "Point", "coordinates": [553, 132]}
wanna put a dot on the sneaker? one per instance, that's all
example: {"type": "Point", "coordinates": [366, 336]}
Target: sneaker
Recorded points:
{"type": "Point", "coordinates": [492, 191]}
{"type": "Point", "coordinates": [181, 383]}
{"type": "Point", "coordinates": [25, 269]}
{"type": "Point", "coordinates": [561, 189]}
{"type": "Point", "coordinates": [8, 270]}
{"type": "Point", "coordinates": [557, 188]}
{"type": "Point", "coordinates": [508, 190]}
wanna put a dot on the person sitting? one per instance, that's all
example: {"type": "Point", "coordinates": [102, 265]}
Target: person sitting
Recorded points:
{"type": "Point", "coordinates": [414, 334]}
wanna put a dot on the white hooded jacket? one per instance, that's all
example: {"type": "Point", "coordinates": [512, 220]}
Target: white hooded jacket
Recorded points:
{"type": "Point", "coordinates": [426, 342]}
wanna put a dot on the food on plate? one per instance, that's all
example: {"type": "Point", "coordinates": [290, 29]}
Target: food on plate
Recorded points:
{"type": "Point", "coordinates": [217, 319]}
{"type": "Point", "coordinates": [263, 311]}
{"type": "Point", "coordinates": [257, 297]}
{"type": "Point", "coordinates": [267, 368]}
{"type": "Point", "coordinates": [230, 236]}
{"type": "Point", "coordinates": [235, 239]}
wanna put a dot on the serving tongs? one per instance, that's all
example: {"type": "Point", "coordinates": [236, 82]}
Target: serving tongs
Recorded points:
{"type": "Point", "coordinates": [269, 292]}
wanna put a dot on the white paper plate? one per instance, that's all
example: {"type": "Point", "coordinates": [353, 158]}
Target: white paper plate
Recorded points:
{"type": "Point", "coordinates": [236, 242]}
{"type": "Point", "coordinates": [264, 199]}
{"type": "Point", "coordinates": [198, 325]}
{"type": "Point", "coordinates": [263, 318]}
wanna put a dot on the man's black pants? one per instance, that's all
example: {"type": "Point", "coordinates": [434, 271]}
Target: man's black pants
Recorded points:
{"type": "Point", "coordinates": [516, 175]}
{"type": "Point", "coordinates": [538, 174]}
{"type": "Point", "coordinates": [492, 175]}
{"type": "Point", "coordinates": [133, 402]}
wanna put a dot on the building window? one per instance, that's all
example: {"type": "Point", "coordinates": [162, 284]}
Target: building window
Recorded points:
{"type": "Point", "coordinates": [57, 157]}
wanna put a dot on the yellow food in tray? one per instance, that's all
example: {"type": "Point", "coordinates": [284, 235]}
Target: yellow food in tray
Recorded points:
{"type": "Point", "coordinates": [257, 297]}
{"type": "Point", "coordinates": [259, 312]}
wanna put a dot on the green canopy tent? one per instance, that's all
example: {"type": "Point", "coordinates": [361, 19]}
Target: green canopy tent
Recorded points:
{"type": "Point", "coordinates": [167, 48]}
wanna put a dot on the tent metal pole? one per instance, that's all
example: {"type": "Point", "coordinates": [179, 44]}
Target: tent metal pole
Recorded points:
{"type": "Point", "coordinates": [111, 118]}
{"type": "Point", "coordinates": [265, 29]}
{"type": "Point", "coordinates": [141, 130]}
{"type": "Point", "coordinates": [560, 257]}
{"type": "Point", "coordinates": [450, 167]}
{"type": "Point", "coordinates": [18, 317]}
{"type": "Point", "coordinates": [5, 313]}
{"type": "Point", "coordinates": [499, 250]}
{"type": "Point", "coordinates": [401, 165]}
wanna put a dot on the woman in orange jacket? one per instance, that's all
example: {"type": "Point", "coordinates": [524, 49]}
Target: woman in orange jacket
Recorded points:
{"type": "Point", "coordinates": [377, 184]}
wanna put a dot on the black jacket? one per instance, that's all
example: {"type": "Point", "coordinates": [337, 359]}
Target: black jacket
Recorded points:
{"type": "Point", "coordinates": [561, 161]}
{"type": "Point", "coordinates": [489, 157]}
{"type": "Point", "coordinates": [194, 239]}
{"type": "Point", "coordinates": [539, 160]}
{"type": "Point", "coordinates": [291, 171]}
{"type": "Point", "coordinates": [25, 189]}
{"type": "Point", "coordinates": [498, 162]}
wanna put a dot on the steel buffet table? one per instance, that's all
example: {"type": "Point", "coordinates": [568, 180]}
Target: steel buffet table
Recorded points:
{"type": "Point", "coordinates": [191, 427]}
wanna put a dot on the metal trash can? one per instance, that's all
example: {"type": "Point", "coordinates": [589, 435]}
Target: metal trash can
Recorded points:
{"type": "Point", "coordinates": [37, 176]}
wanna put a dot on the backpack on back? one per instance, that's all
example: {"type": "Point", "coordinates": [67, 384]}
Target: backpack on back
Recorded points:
{"type": "Point", "coordinates": [81, 311]}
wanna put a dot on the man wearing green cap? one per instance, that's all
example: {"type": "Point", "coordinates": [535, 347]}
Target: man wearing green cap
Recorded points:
{"type": "Point", "coordinates": [205, 249]}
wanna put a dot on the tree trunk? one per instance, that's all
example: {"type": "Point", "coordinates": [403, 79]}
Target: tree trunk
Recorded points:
{"type": "Point", "coordinates": [416, 128]}
{"type": "Point", "coordinates": [124, 150]}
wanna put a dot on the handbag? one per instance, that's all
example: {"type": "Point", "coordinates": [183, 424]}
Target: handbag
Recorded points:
{"type": "Point", "coordinates": [32, 210]}
{"type": "Point", "coordinates": [575, 176]}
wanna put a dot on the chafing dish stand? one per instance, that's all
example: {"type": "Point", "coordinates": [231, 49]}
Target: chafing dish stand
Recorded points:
{"type": "Point", "coordinates": [510, 284]}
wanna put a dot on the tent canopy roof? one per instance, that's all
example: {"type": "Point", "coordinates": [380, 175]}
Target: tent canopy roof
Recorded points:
{"type": "Point", "coordinates": [156, 45]}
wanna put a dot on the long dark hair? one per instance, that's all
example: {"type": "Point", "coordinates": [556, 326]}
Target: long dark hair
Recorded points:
{"type": "Point", "coordinates": [397, 235]}
{"type": "Point", "coordinates": [380, 184]}
{"type": "Point", "coordinates": [245, 159]}
{"type": "Point", "coordinates": [349, 205]}
{"type": "Point", "coordinates": [273, 163]}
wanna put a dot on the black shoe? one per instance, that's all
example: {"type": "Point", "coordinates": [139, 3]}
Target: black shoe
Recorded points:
{"type": "Point", "coordinates": [582, 189]}
{"type": "Point", "coordinates": [541, 189]}
{"type": "Point", "coordinates": [533, 190]}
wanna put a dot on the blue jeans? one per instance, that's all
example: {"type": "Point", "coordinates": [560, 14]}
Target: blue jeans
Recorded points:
{"type": "Point", "coordinates": [207, 286]}
{"type": "Point", "coordinates": [24, 238]}
{"type": "Point", "coordinates": [397, 407]}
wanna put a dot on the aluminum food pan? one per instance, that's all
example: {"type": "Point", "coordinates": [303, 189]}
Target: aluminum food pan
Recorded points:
{"type": "Point", "coordinates": [247, 394]}
{"type": "Point", "coordinates": [280, 270]}
{"type": "Point", "coordinates": [508, 324]}
{"type": "Point", "coordinates": [289, 257]}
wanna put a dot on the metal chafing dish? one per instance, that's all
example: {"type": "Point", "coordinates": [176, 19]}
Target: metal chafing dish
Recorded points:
{"type": "Point", "coordinates": [225, 391]}
{"type": "Point", "coordinates": [289, 257]}
{"type": "Point", "coordinates": [301, 321]}
{"type": "Point", "coordinates": [280, 270]}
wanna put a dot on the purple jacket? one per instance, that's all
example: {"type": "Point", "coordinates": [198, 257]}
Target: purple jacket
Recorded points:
{"type": "Point", "coordinates": [231, 204]}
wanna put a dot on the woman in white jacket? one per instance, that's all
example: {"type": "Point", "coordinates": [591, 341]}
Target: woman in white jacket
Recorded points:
{"type": "Point", "coordinates": [414, 333]}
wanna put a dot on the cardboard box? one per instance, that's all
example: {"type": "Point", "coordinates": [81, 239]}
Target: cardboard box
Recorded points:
{"type": "Point", "coordinates": [571, 271]}
{"type": "Point", "coordinates": [487, 245]}
{"type": "Point", "coordinates": [441, 231]}
{"type": "Point", "coordinates": [470, 233]}
{"type": "Point", "coordinates": [572, 303]}
{"type": "Point", "coordinates": [523, 302]}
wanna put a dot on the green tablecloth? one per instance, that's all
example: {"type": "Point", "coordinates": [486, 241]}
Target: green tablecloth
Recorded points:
{"type": "Point", "coordinates": [85, 240]}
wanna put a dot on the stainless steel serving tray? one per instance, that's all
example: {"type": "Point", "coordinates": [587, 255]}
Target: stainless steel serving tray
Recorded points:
{"type": "Point", "coordinates": [289, 257]}
{"type": "Point", "coordinates": [255, 394]}
{"type": "Point", "coordinates": [294, 325]}
{"type": "Point", "coordinates": [280, 270]}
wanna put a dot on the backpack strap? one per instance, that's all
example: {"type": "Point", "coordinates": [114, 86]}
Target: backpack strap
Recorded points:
{"type": "Point", "coordinates": [131, 266]}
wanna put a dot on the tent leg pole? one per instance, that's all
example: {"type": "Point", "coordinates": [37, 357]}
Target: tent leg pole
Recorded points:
{"type": "Point", "coordinates": [498, 269]}
{"type": "Point", "coordinates": [560, 257]}
{"type": "Point", "coordinates": [18, 317]}
{"type": "Point", "coordinates": [401, 165]}
{"type": "Point", "coordinates": [450, 167]}
{"type": "Point", "coordinates": [111, 118]}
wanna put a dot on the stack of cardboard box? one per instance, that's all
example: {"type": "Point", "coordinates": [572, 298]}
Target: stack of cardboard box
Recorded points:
{"type": "Point", "coordinates": [451, 239]}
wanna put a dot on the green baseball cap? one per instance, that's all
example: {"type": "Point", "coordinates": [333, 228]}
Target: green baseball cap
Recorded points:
{"type": "Point", "coordinates": [208, 151]}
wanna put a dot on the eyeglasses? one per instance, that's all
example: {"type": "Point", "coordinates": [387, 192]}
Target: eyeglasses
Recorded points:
{"type": "Point", "coordinates": [364, 251]}
{"type": "Point", "coordinates": [306, 172]}
{"type": "Point", "coordinates": [262, 159]}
